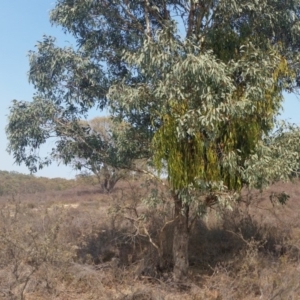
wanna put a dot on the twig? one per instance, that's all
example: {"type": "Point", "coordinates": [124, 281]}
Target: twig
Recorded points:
{"type": "Point", "coordinates": [169, 222]}
{"type": "Point", "coordinates": [238, 235]}
{"type": "Point", "coordinates": [149, 277]}
{"type": "Point", "coordinates": [151, 241]}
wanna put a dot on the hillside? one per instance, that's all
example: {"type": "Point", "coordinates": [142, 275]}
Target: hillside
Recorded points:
{"type": "Point", "coordinates": [18, 183]}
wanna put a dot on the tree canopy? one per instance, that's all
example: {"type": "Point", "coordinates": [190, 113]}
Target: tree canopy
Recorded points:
{"type": "Point", "coordinates": [199, 82]}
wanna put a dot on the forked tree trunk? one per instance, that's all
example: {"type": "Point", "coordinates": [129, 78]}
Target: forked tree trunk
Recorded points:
{"type": "Point", "coordinates": [180, 240]}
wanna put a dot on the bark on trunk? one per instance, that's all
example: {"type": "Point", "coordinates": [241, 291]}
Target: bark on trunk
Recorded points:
{"type": "Point", "coordinates": [180, 241]}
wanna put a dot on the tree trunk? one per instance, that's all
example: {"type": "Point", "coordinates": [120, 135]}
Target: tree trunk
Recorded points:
{"type": "Point", "coordinates": [180, 240]}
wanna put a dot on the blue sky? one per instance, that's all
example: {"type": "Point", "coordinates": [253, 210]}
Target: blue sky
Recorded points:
{"type": "Point", "coordinates": [22, 24]}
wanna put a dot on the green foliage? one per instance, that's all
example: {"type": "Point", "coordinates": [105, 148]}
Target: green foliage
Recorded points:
{"type": "Point", "coordinates": [199, 155]}
{"type": "Point", "coordinates": [196, 87]}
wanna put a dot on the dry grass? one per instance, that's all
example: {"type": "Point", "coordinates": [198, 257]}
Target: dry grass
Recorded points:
{"type": "Point", "coordinates": [65, 245]}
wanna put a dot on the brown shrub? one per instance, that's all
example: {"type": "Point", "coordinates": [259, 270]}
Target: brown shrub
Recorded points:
{"type": "Point", "coordinates": [67, 246]}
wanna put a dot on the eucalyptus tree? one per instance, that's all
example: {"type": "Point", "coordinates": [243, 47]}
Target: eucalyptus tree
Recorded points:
{"type": "Point", "coordinates": [88, 157]}
{"type": "Point", "coordinates": [199, 82]}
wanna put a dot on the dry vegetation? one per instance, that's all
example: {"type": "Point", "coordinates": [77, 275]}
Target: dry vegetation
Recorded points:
{"type": "Point", "coordinates": [82, 243]}
{"type": "Point", "coordinates": [12, 183]}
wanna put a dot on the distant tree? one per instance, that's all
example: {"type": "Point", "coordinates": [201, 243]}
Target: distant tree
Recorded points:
{"type": "Point", "coordinates": [198, 82]}
{"type": "Point", "coordinates": [86, 158]}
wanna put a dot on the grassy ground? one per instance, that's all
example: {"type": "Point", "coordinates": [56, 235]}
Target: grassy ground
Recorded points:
{"type": "Point", "coordinates": [82, 243]}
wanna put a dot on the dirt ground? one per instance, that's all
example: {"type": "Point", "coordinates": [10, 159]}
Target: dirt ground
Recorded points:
{"type": "Point", "coordinates": [82, 243]}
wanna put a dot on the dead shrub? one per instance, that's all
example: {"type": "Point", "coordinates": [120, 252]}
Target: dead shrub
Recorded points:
{"type": "Point", "coordinates": [142, 295]}
{"type": "Point", "coordinates": [54, 250]}
{"type": "Point", "coordinates": [30, 248]}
